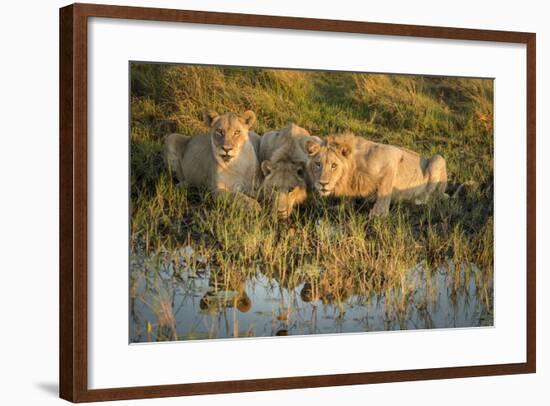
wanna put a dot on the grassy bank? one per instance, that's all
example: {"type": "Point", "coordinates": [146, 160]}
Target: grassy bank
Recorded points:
{"type": "Point", "coordinates": [329, 242]}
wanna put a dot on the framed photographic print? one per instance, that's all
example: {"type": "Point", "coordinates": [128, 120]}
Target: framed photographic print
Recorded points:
{"type": "Point", "coordinates": [256, 202]}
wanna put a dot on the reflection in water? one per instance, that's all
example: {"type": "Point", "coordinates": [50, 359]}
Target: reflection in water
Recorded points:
{"type": "Point", "coordinates": [169, 302]}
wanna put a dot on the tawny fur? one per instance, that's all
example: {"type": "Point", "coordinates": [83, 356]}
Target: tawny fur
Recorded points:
{"type": "Point", "coordinates": [288, 142]}
{"type": "Point", "coordinates": [223, 160]}
{"type": "Point", "coordinates": [283, 159]}
{"type": "Point", "coordinates": [347, 165]}
{"type": "Point", "coordinates": [284, 185]}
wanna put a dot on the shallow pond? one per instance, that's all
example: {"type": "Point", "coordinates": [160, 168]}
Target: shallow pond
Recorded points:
{"type": "Point", "coordinates": [167, 303]}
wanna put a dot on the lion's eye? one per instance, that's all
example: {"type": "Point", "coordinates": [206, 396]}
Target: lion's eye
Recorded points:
{"type": "Point", "coordinates": [318, 164]}
{"type": "Point", "coordinates": [333, 166]}
{"type": "Point", "coordinates": [237, 132]}
{"type": "Point", "coordinates": [300, 172]}
{"type": "Point", "coordinates": [219, 132]}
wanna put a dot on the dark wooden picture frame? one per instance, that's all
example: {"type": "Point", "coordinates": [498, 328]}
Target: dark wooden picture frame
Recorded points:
{"type": "Point", "coordinates": [73, 361]}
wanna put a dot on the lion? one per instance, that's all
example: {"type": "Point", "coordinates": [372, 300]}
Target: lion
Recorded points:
{"type": "Point", "coordinates": [283, 160]}
{"type": "Point", "coordinates": [328, 292]}
{"type": "Point", "coordinates": [290, 140]}
{"type": "Point", "coordinates": [225, 293]}
{"type": "Point", "coordinates": [224, 160]}
{"type": "Point", "coordinates": [284, 185]}
{"type": "Point", "coordinates": [347, 165]}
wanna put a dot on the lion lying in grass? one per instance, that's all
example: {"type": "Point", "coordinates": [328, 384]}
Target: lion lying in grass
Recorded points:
{"type": "Point", "coordinates": [224, 160]}
{"type": "Point", "coordinates": [283, 158]}
{"type": "Point", "coordinates": [284, 185]}
{"type": "Point", "coordinates": [346, 165]}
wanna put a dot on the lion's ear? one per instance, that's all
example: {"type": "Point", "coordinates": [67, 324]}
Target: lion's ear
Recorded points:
{"type": "Point", "coordinates": [248, 118]}
{"type": "Point", "coordinates": [266, 167]}
{"type": "Point", "coordinates": [316, 139]}
{"type": "Point", "coordinates": [345, 150]}
{"type": "Point", "coordinates": [209, 116]}
{"type": "Point", "coordinates": [312, 147]}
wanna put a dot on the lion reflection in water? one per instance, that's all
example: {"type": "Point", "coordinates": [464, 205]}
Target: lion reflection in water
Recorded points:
{"type": "Point", "coordinates": [325, 293]}
{"type": "Point", "coordinates": [223, 294]}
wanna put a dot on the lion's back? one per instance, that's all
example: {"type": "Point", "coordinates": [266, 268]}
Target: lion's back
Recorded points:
{"type": "Point", "coordinates": [269, 142]}
{"type": "Point", "coordinates": [197, 161]}
{"type": "Point", "coordinates": [288, 142]}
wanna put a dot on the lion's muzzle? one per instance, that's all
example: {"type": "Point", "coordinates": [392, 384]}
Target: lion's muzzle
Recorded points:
{"type": "Point", "coordinates": [323, 189]}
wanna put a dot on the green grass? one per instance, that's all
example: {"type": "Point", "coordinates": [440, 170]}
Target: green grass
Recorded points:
{"type": "Point", "coordinates": [328, 242]}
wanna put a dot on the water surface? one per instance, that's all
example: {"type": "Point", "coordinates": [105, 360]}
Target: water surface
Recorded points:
{"type": "Point", "coordinates": [168, 302]}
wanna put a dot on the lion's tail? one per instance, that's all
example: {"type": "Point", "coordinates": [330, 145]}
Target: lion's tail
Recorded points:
{"type": "Point", "coordinates": [460, 187]}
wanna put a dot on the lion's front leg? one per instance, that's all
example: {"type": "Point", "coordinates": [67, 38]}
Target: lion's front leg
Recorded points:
{"type": "Point", "coordinates": [250, 202]}
{"type": "Point", "coordinates": [238, 198]}
{"type": "Point", "coordinates": [436, 172]}
{"type": "Point", "coordinates": [383, 194]}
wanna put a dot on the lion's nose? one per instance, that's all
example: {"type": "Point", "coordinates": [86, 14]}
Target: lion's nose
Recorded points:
{"type": "Point", "coordinates": [323, 183]}
{"type": "Point", "coordinates": [227, 149]}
